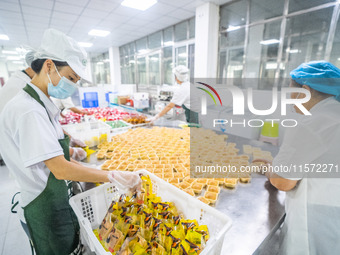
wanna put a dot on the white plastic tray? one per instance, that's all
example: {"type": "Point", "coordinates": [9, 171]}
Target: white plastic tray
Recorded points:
{"type": "Point", "coordinates": [91, 207]}
{"type": "Point", "coordinates": [89, 132]}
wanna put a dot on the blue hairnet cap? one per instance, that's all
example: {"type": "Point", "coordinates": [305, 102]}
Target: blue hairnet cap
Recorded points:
{"type": "Point", "coordinates": [319, 75]}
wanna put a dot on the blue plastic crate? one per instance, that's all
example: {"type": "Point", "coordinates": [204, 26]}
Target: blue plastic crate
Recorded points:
{"type": "Point", "coordinates": [90, 96]}
{"type": "Point", "coordinates": [89, 104]}
{"type": "Point", "coordinates": [107, 96]}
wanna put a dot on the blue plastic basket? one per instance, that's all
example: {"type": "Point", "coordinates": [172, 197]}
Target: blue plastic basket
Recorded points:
{"type": "Point", "coordinates": [90, 96]}
{"type": "Point", "coordinates": [107, 96]}
{"type": "Point", "coordinates": [89, 104]}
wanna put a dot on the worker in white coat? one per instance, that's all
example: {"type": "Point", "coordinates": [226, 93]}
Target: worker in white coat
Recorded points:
{"type": "Point", "coordinates": [312, 220]}
{"type": "Point", "coordinates": [36, 150]}
{"type": "Point", "coordinates": [17, 82]}
{"type": "Point", "coordinates": [181, 96]}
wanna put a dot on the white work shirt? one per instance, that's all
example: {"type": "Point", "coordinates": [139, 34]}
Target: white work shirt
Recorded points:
{"type": "Point", "coordinates": [12, 87]}
{"type": "Point", "coordinates": [313, 207]}
{"type": "Point", "coordinates": [63, 103]}
{"type": "Point", "coordinates": [28, 138]}
{"type": "Point", "coordinates": [182, 96]}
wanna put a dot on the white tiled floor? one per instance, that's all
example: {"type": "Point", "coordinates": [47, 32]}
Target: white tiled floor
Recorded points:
{"type": "Point", "coordinates": [13, 240]}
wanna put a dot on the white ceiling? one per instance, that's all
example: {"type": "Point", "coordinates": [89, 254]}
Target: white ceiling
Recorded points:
{"type": "Point", "coordinates": [24, 21]}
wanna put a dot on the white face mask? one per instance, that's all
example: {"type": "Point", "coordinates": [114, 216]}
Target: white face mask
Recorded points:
{"type": "Point", "coordinates": [292, 109]}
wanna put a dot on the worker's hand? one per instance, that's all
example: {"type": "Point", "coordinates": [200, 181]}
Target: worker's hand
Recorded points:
{"type": "Point", "coordinates": [264, 161]}
{"type": "Point", "coordinates": [78, 154]}
{"type": "Point", "coordinates": [152, 120]}
{"type": "Point", "coordinates": [264, 164]}
{"type": "Point", "coordinates": [129, 180]}
{"type": "Point", "coordinates": [77, 142]}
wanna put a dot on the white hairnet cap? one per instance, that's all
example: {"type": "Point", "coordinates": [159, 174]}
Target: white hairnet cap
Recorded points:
{"type": "Point", "coordinates": [29, 57]}
{"type": "Point", "coordinates": [181, 72]}
{"type": "Point", "coordinates": [57, 46]}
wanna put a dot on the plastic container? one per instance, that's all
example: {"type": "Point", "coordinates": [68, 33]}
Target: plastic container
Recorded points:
{"type": "Point", "coordinates": [118, 126]}
{"type": "Point", "coordinates": [90, 96]}
{"type": "Point", "coordinates": [92, 133]}
{"type": "Point", "coordinates": [113, 97]}
{"type": "Point", "coordinates": [141, 100]}
{"type": "Point", "coordinates": [270, 129]}
{"type": "Point", "coordinates": [91, 207]}
{"type": "Point", "coordinates": [89, 104]}
{"type": "Point", "coordinates": [90, 100]}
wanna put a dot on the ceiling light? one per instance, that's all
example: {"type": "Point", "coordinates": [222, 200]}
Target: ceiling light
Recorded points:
{"type": "Point", "coordinates": [9, 52]}
{"type": "Point", "coordinates": [101, 33]}
{"type": "Point", "coordinates": [294, 51]}
{"type": "Point", "coordinates": [139, 4]}
{"type": "Point", "coordinates": [233, 28]}
{"type": "Point", "coordinates": [271, 66]}
{"type": "Point", "coordinates": [18, 62]}
{"type": "Point", "coordinates": [13, 58]}
{"type": "Point", "coordinates": [106, 60]}
{"type": "Point", "coordinates": [169, 43]}
{"type": "Point", "coordinates": [85, 44]}
{"type": "Point", "coordinates": [100, 63]}
{"type": "Point", "coordinates": [182, 55]}
{"type": "Point", "coordinates": [270, 41]}
{"type": "Point", "coordinates": [4, 37]}
{"type": "Point", "coordinates": [339, 59]}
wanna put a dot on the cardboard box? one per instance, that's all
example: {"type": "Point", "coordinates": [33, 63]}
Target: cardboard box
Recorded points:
{"type": "Point", "coordinates": [123, 99]}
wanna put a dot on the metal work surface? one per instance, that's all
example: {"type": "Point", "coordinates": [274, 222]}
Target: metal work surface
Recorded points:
{"type": "Point", "coordinates": [254, 207]}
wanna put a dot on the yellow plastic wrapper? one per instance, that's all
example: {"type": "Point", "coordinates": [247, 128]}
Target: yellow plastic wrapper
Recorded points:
{"type": "Point", "coordinates": [105, 228]}
{"type": "Point", "coordinates": [146, 187]}
{"type": "Point", "coordinates": [189, 248]}
{"type": "Point", "coordinates": [189, 224]}
{"type": "Point", "coordinates": [158, 249]}
{"type": "Point", "coordinates": [178, 234]}
{"type": "Point", "coordinates": [203, 229]}
{"type": "Point", "coordinates": [195, 238]}
{"type": "Point", "coordinates": [88, 151]}
{"type": "Point", "coordinates": [114, 240]}
{"type": "Point", "coordinates": [149, 226]}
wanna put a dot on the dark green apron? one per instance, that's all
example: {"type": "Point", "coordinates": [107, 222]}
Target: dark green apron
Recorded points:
{"type": "Point", "coordinates": [50, 219]}
{"type": "Point", "coordinates": [191, 116]}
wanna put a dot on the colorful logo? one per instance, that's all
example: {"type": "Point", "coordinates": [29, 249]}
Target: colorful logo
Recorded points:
{"type": "Point", "coordinates": [209, 93]}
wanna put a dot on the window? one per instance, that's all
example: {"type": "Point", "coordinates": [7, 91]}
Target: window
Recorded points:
{"type": "Point", "coordinates": [181, 31]}
{"type": "Point", "coordinates": [233, 15]}
{"type": "Point", "coordinates": [306, 38]}
{"type": "Point", "coordinates": [127, 63]}
{"type": "Point", "coordinates": [192, 28]}
{"type": "Point", "coordinates": [181, 56]}
{"type": "Point", "coordinates": [167, 36]}
{"type": "Point", "coordinates": [168, 65]}
{"type": "Point", "coordinates": [141, 67]}
{"type": "Point", "coordinates": [335, 54]}
{"type": "Point", "coordinates": [101, 69]}
{"type": "Point", "coordinates": [141, 45]}
{"type": "Point", "coordinates": [154, 69]}
{"type": "Point", "coordinates": [259, 48]}
{"type": "Point", "coordinates": [155, 40]}
{"type": "Point", "coordinates": [298, 5]}
{"type": "Point", "coordinates": [148, 62]}
{"type": "Point", "coordinates": [232, 38]}
{"type": "Point", "coordinates": [265, 9]}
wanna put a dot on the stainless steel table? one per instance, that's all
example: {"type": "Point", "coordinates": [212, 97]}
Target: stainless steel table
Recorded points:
{"type": "Point", "coordinates": [255, 208]}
